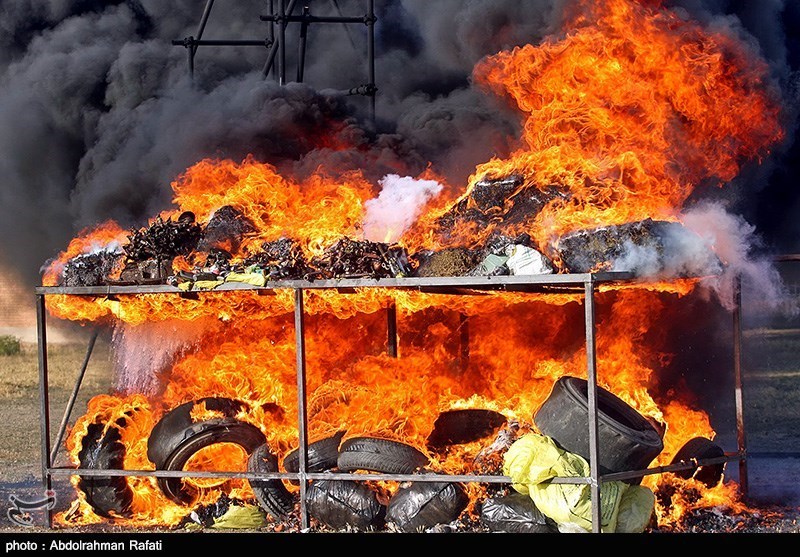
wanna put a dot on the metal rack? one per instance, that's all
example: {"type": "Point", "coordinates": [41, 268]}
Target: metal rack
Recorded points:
{"type": "Point", "coordinates": [276, 42]}
{"type": "Point", "coordinates": [586, 284]}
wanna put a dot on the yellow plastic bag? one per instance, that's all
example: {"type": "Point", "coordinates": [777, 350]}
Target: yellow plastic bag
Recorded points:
{"type": "Point", "coordinates": [533, 460]}
{"type": "Point", "coordinates": [256, 279]}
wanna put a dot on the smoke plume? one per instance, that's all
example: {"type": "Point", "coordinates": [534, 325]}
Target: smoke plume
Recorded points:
{"type": "Point", "coordinates": [99, 112]}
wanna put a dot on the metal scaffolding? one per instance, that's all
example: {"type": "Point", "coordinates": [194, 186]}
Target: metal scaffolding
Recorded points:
{"type": "Point", "coordinates": [585, 284]}
{"type": "Point", "coordinates": [276, 42]}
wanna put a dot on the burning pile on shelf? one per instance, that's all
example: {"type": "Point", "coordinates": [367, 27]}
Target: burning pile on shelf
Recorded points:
{"type": "Point", "coordinates": [208, 253]}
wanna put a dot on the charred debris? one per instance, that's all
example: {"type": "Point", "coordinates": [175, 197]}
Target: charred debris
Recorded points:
{"type": "Point", "coordinates": [503, 205]}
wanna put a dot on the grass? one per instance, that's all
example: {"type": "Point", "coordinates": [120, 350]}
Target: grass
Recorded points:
{"type": "Point", "coordinates": [20, 446]}
{"type": "Point", "coordinates": [9, 345]}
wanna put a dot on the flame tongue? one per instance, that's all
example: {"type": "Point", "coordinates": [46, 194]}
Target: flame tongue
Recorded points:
{"type": "Point", "coordinates": [630, 111]}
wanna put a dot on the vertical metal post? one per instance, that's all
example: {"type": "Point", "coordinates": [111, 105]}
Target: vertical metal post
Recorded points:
{"type": "Point", "coordinates": [282, 44]}
{"type": "Point", "coordinates": [271, 22]}
{"type": "Point", "coordinates": [737, 370]}
{"type": "Point", "coordinates": [71, 402]}
{"type": "Point", "coordinates": [274, 47]}
{"type": "Point", "coordinates": [591, 373]}
{"type": "Point", "coordinates": [371, 57]}
{"type": "Point", "coordinates": [200, 28]}
{"type": "Point", "coordinates": [391, 328]}
{"type": "Point", "coordinates": [44, 400]}
{"type": "Point", "coordinates": [301, 48]}
{"type": "Point", "coordinates": [302, 415]}
{"type": "Point", "coordinates": [463, 328]}
{"type": "Point", "coordinates": [190, 53]}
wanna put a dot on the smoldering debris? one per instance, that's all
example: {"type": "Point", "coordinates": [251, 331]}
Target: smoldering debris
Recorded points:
{"type": "Point", "coordinates": [226, 229]}
{"type": "Point", "coordinates": [280, 259]}
{"type": "Point", "coordinates": [502, 201]}
{"type": "Point", "coordinates": [91, 269]}
{"type": "Point", "coordinates": [349, 258]}
{"type": "Point", "coordinates": [647, 248]}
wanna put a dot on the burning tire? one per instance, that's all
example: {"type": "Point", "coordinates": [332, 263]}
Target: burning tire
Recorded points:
{"type": "Point", "coordinates": [109, 496]}
{"type": "Point", "coordinates": [626, 439]}
{"type": "Point", "coordinates": [176, 438]}
{"type": "Point", "coordinates": [379, 455]}
{"type": "Point", "coordinates": [272, 495]}
{"type": "Point", "coordinates": [456, 427]}
{"type": "Point", "coordinates": [700, 448]}
{"type": "Point", "coordinates": [322, 455]}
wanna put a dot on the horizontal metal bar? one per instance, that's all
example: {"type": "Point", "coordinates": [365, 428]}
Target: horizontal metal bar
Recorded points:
{"type": "Point", "coordinates": [426, 477]}
{"type": "Point", "coordinates": [190, 42]}
{"type": "Point", "coordinates": [473, 282]}
{"type": "Point", "coordinates": [676, 467]}
{"type": "Point", "coordinates": [306, 18]}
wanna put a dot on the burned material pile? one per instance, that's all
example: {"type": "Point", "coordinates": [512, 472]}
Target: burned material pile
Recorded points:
{"type": "Point", "coordinates": [510, 200]}
{"type": "Point", "coordinates": [497, 214]}
{"type": "Point", "coordinates": [150, 251]}
{"type": "Point", "coordinates": [361, 259]}
{"type": "Point", "coordinates": [646, 248]}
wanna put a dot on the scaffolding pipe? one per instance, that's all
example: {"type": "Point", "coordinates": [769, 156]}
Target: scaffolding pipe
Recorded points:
{"type": "Point", "coordinates": [73, 397]}
{"type": "Point", "coordinates": [371, 59]}
{"type": "Point", "coordinates": [274, 47]}
{"type": "Point", "coordinates": [200, 28]}
{"type": "Point", "coordinates": [301, 48]}
{"type": "Point", "coordinates": [191, 42]}
{"type": "Point", "coordinates": [282, 44]}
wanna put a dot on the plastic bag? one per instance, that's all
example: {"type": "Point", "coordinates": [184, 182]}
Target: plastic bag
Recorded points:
{"type": "Point", "coordinates": [533, 460]}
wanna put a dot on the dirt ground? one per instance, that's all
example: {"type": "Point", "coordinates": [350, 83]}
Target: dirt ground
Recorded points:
{"type": "Point", "coordinates": [772, 390]}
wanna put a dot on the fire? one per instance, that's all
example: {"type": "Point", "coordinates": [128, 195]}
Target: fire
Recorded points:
{"type": "Point", "coordinates": [628, 112]}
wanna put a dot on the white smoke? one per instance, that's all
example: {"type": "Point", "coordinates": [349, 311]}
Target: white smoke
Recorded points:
{"type": "Point", "coordinates": [675, 251]}
{"type": "Point", "coordinates": [398, 205]}
{"type": "Point", "coordinates": [735, 241]}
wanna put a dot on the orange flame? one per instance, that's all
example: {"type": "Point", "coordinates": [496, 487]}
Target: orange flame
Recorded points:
{"type": "Point", "coordinates": [629, 111]}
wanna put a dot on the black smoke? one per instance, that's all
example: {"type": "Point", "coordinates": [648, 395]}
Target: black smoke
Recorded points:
{"type": "Point", "coordinates": [98, 113]}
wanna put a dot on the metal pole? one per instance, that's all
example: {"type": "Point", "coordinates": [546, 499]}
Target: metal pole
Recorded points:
{"type": "Point", "coordinates": [463, 327]}
{"type": "Point", "coordinates": [371, 58]}
{"type": "Point", "coordinates": [204, 20]}
{"type": "Point", "coordinates": [391, 327]}
{"type": "Point", "coordinates": [737, 369]}
{"type": "Point", "coordinates": [273, 50]}
{"type": "Point", "coordinates": [301, 48]}
{"type": "Point", "coordinates": [282, 44]}
{"type": "Point", "coordinates": [300, 343]}
{"type": "Point", "coordinates": [200, 28]}
{"type": "Point", "coordinates": [190, 52]}
{"type": "Point", "coordinates": [44, 400]}
{"type": "Point", "coordinates": [591, 372]}
{"type": "Point", "coordinates": [71, 402]}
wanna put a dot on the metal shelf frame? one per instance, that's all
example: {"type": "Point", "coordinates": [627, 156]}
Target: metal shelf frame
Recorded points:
{"type": "Point", "coordinates": [585, 284]}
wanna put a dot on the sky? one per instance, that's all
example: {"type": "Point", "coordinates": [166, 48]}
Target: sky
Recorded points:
{"type": "Point", "coordinates": [99, 113]}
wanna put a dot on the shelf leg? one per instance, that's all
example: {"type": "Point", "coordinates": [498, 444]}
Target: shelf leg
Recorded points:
{"type": "Point", "coordinates": [591, 373]}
